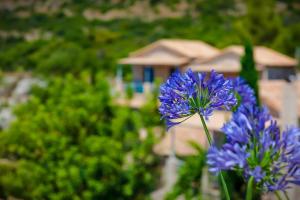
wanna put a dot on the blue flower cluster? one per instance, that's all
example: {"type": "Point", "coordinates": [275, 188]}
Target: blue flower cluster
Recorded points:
{"type": "Point", "coordinates": [185, 94]}
{"type": "Point", "coordinates": [256, 148]}
{"type": "Point", "coordinates": [244, 93]}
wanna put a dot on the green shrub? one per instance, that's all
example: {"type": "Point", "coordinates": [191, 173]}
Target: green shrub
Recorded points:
{"type": "Point", "coordinates": [16, 56]}
{"type": "Point", "coordinates": [70, 142]}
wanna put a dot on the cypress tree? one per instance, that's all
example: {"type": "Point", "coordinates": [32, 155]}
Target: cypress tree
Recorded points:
{"type": "Point", "coordinates": [248, 71]}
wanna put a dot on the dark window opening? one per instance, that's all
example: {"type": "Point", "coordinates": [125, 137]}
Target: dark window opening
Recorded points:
{"type": "Point", "coordinates": [148, 74]}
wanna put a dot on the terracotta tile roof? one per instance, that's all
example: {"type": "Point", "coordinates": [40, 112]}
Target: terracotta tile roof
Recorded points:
{"type": "Point", "coordinates": [265, 56]}
{"type": "Point", "coordinates": [182, 141]}
{"type": "Point", "coordinates": [225, 62]}
{"type": "Point", "coordinates": [153, 61]}
{"type": "Point", "coordinates": [186, 48]}
{"type": "Point", "coordinates": [190, 131]}
{"type": "Point", "coordinates": [217, 68]}
{"type": "Point", "coordinates": [221, 68]}
{"type": "Point", "coordinates": [271, 94]}
{"type": "Point", "coordinates": [214, 123]}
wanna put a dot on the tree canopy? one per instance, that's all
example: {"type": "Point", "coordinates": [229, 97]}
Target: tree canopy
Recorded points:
{"type": "Point", "coordinates": [70, 142]}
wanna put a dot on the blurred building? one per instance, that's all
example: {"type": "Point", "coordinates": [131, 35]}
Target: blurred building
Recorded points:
{"type": "Point", "coordinates": [269, 63]}
{"type": "Point", "coordinates": [161, 58]}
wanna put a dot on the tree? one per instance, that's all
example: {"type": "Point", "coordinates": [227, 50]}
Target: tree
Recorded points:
{"type": "Point", "coordinates": [16, 56]}
{"type": "Point", "coordinates": [248, 71]}
{"type": "Point", "coordinates": [70, 142]}
{"type": "Point", "coordinates": [61, 57]}
{"type": "Point", "coordinates": [215, 8]}
{"type": "Point", "coordinates": [262, 23]}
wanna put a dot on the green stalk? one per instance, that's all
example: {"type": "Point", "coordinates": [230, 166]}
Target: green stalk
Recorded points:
{"type": "Point", "coordinates": [250, 188]}
{"type": "Point", "coordinates": [286, 195]}
{"type": "Point", "coordinates": [206, 130]}
{"type": "Point", "coordinates": [210, 143]}
{"type": "Point", "coordinates": [224, 186]}
{"type": "Point", "coordinates": [278, 195]}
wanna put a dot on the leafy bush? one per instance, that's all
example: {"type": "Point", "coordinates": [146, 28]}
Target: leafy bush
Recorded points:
{"type": "Point", "coordinates": [70, 142]}
{"type": "Point", "coordinates": [60, 57]}
{"type": "Point", "coordinates": [15, 56]}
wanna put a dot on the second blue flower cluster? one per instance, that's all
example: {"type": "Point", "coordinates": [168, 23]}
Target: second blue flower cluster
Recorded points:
{"type": "Point", "coordinates": [254, 145]}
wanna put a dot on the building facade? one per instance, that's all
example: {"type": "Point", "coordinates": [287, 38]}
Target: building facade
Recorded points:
{"type": "Point", "coordinates": [159, 59]}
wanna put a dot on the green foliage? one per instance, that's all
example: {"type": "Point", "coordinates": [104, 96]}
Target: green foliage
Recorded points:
{"type": "Point", "coordinates": [264, 24]}
{"type": "Point", "coordinates": [1, 76]}
{"type": "Point", "coordinates": [108, 40]}
{"type": "Point", "coordinates": [15, 57]}
{"type": "Point", "coordinates": [288, 40]}
{"type": "Point", "coordinates": [129, 91]}
{"type": "Point", "coordinates": [261, 24]}
{"type": "Point", "coordinates": [60, 57]}
{"type": "Point", "coordinates": [237, 187]}
{"type": "Point", "coordinates": [70, 142]}
{"type": "Point", "coordinates": [102, 36]}
{"type": "Point", "coordinates": [189, 177]}
{"type": "Point", "coordinates": [214, 8]}
{"type": "Point", "coordinates": [248, 71]}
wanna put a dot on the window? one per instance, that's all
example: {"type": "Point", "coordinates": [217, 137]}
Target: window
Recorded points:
{"type": "Point", "coordinates": [173, 69]}
{"type": "Point", "coordinates": [280, 73]}
{"type": "Point", "coordinates": [148, 74]}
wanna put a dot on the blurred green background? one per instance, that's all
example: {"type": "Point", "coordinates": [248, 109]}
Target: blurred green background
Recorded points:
{"type": "Point", "coordinates": [70, 140]}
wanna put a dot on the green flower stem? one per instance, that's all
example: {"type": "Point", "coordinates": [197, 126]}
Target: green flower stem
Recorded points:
{"type": "Point", "coordinates": [224, 186]}
{"type": "Point", "coordinates": [206, 130]}
{"type": "Point", "coordinates": [286, 195]}
{"type": "Point", "coordinates": [210, 143]}
{"type": "Point", "coordinates": [278, 195]}
{"type": "Point", "coordinates": [250, 188]}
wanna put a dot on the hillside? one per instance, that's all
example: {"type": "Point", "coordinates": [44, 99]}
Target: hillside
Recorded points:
{"type": "Point", "coordinates": [113, 28]}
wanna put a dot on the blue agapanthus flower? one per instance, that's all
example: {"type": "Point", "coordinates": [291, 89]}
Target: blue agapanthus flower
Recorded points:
{"type": "Point", "coordinates": [244, 93]}
{"type": "Point", "coordinates": [185, 94]}
{"type": "Point", "coordinates": [256, 148]}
